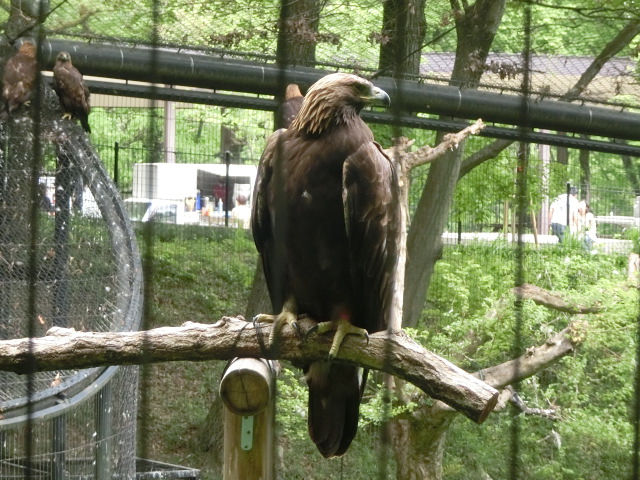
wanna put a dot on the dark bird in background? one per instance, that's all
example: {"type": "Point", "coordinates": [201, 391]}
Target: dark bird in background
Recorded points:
{"type": "Point", "coordinates": [19, 77]}
{"type": "Point", "coordinates": [326, 221]}
{"type": "Point", "coordinates": [72, 91]}
{"type": "Point", "coordinates": [291, 105]}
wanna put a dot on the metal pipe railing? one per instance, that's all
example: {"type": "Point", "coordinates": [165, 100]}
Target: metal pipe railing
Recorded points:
{"type": "Point", "coordinates": [197, 70]}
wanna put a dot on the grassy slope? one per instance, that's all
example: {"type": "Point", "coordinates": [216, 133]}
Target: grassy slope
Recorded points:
{"type": "Point", "coordinates": [195, 279]}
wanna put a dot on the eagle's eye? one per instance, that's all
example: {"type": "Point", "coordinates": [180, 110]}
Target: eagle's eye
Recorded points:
{"type": "Point", "coordinates": [362, 89]}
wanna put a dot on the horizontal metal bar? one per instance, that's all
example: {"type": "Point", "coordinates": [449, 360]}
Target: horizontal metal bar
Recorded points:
{"type": "Point", "coordinates": [162, 66]}
{"type": "Point", "coordinates": [439, 124]}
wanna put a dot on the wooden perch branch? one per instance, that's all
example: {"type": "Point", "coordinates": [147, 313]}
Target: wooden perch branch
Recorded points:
{"type": "Point", "coordinates": [394, 353]}
{"type": "Point", "coordinates": [552, 300]}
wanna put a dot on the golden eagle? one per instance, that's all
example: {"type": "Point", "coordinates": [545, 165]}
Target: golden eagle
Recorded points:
{"type": "Point", "coordinates": [72, 91]}
{"type": "Point", "coordinates": [19, 77]}
{"type": "Point", "coordinates": [291, 105]}
{"type": "Point", "coordinates": [326, 221]}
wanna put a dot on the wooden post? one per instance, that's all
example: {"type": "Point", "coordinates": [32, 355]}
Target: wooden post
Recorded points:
{"type": "Point", "coordinates": [633, 267]}
{"type": "Point", "coordinates": [247, 389]}
{"type": "Point", "coordinates": [505, 220]}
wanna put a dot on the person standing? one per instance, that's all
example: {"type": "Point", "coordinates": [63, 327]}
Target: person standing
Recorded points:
{"type": "Point", "coordinates": [241, 213]}
{"type": "Point", "coordinates": [560, 220]}
{"type": "Point", "coordinates": [587, 225]}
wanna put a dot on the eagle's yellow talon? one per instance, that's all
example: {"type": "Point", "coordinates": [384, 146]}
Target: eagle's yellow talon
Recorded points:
{"type": "Point", "coordinates": [342, 327]}
{"type": "Point", "coordinates": [286, 317]}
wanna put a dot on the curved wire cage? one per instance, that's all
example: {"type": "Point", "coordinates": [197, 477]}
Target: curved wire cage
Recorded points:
{"type": "Point", "coordinates": [69, 259]}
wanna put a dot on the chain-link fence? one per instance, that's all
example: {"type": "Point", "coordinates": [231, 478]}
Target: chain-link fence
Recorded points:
{"type": "Point", "coordinates": [183, 96]}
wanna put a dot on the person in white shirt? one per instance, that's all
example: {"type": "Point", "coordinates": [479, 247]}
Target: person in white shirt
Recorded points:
{"type": "Point", "coordinates": [241, 213]}
{"type": "Point", "coordinates": [558, 214]}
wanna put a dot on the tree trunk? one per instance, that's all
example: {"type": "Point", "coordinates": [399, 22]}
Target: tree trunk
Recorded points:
{"type": "Point", "coordinates": [631, 170]}
{"type": "Point", "coordinates": [424, 240]}
{"type": "Point", "coordinates": [298, 32]}
{"type": "Point", "coordinates": [403, 30]}
{"type": "Point", "coordinates": [418, 445]}
{"type": "Point", "coordinates": [585, 174]}
{"type": "Point", "coordinates": [476, 30]}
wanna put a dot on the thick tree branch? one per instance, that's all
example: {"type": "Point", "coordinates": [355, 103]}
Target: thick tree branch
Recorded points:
{"type": "Point", "coordinates": [486, 153]}
{"type": "Point", "coordinates": [620, 41]}
{"type": "Point", "coordinates": [534, 359]}
{"type": "Point", "coordinates": [624, 37]}
{"type": "Point", "coordinates": [391, 352]}
{"type": "Point", "coordinates": [552, 300]}
{"type": "Point", "coordinates": [85, 14]}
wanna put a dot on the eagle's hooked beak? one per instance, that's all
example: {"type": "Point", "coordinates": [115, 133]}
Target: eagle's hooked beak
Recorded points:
{"type": "Point", "coordinates": [379, 97]}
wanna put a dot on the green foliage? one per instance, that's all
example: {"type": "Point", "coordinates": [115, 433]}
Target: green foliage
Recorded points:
{"type": "Point", "coordinates": [471, 318]}
{"type": "Point", "coordinates": [200, 274]}
{"type": "Point", "coordinates": [633, 234]}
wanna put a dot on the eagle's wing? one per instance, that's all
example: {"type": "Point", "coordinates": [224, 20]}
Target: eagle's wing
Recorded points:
{"type": "Point", "coordinates": [372, 212]}
{"type": "Point", "coordinates": [262, 222]}
{"type": "Point", "coordinates": [86, 97]}
{"type": "Point", "coordinates": [57, 72]}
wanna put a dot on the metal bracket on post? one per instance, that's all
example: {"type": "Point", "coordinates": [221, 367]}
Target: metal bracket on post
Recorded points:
{"type": "Point", "coordinates": [246, 433]}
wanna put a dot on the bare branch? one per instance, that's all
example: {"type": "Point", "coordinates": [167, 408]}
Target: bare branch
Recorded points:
{"type": "Point", "coordinates": [517, 402]}
{"type": "Point", "coordinates": [391, 352]}
{"type": "Point", "coordinates": [427, 154]}
{"type": "Point", "coordinates": [535, 358]}
{"type": "Point", "coordinates": [552, 300]}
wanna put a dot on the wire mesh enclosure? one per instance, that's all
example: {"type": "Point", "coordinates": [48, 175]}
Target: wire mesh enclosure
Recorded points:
{"type": "Point", "coordinates": [184, 97]}
{"type": "Point", "coordinates": [69, 260]}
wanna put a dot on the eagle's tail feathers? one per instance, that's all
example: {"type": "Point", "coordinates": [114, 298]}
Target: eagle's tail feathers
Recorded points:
{"type": "Point", "coordinates": [84, 121]}
{"type": "Point", "coordinates": [335, 392]}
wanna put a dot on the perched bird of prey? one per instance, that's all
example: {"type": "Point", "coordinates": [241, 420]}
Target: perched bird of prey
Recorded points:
{"type": "Point", "coordinates": [291, 105]}
{"type": "Point", "coordinates": [326, 221]}
{"type": "Point", "coordinates": [19, 78]}
{"type": "Point", "coordinates": [72, 91]}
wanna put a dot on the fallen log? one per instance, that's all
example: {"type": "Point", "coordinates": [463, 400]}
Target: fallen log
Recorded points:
{"type": "Point", "coordinates": [390, 352]}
